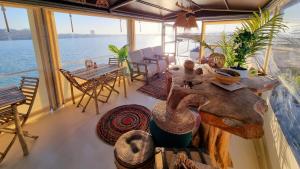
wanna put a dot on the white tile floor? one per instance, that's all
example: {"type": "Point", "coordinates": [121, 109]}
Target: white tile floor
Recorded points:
{"type": "Point", "coordinates": [68, 140]}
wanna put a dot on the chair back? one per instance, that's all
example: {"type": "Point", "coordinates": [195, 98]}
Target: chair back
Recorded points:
{"type": "Point", "coordinates": [29, 87]}
{"type": "Point", "coordinates": [157, 50]}
{"type": "Point", "coordinates": [70, 78]}
{"type": "Point", "coordinates": [113, 61]}
{"type": "Point", "coordinates": [136, 56]}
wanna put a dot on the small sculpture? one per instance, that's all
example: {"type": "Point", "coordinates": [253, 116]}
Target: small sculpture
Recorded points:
{"type": "Point", "coordinates": [89, 63]}
{"type": "Point", "coordinates": [199, 71]}
{"type": "Point", "coordinates": [216, 60]}
{"type": "Point", "coordinates": [189, 65]}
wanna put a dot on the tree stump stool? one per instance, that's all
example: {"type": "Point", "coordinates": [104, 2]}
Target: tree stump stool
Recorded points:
{"type": "Point", "coordinates": [134, 149]}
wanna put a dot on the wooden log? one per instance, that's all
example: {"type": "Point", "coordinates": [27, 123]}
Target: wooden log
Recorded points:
{"type": "Point", "coordinates": [238, 112]}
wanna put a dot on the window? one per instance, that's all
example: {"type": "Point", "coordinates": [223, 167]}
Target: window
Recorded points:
{"type": "Point", "coordinates": [187, 46]}
{"type": "Point", "coordinates": [16, 47]}
{"type": "Point", "coordinates": [285, 64]}
{"type": "Point", "coordinates": [148, 34]}
{"type": "Point", "coordinates": [89, 39]}
{"type": "Point", "coordinates": [17, 55]}
{"type": "Point", "coordinates": [214, 32]}
{"type": "Point", "coordinates": [169, 38]}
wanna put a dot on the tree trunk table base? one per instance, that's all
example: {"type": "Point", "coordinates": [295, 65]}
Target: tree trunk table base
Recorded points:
{"type": "Point", "coordinates": [216, 142]}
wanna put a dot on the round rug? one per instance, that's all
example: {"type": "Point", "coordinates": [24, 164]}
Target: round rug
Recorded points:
{"type": "Point", "coordinates": [122, 119]}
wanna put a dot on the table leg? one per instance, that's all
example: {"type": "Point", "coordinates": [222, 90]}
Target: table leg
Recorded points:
{"type": "Point", "coordinates": [124, 81]}
{"type": "Point", "coordinates": [95, 99]}
{"type": "Point", "coordinates": [216, 141]}
{"type": "Point", "coordinates": [223, 149]}
{"type": "Point", "coordinates": [19, 130]}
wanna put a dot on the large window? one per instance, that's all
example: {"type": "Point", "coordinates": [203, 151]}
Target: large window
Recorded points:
{"type": "Point", "coordinates": [84, 37]}
{"type": "Point", "coordinates": [285, 64]}
{"type": "Point", "coordinates": [148, 34]}
{"type": "Point", "coordinates": [187, 45]}
{"type": "Point", "coordinates": [17, 54]}
{"type": "Point", "coordinates": [214, 33]}
{"type": "Point", "coordinates": [16, 47]}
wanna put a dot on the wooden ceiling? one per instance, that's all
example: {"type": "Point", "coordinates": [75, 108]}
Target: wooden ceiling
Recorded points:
{"type": "Point", "coordinates": [162, 9]}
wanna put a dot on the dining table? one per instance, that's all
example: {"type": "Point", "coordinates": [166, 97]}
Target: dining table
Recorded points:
{"type": "Point", "coordinates": [239, 112]}
{"type": "Point", "coordinates": [12, 96]}
{"type": "Point", "coordinates": [94, 74]}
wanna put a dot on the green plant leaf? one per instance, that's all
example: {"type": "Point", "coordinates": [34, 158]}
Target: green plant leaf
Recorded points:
{"type": "Point", "coordinates": [113, 49]}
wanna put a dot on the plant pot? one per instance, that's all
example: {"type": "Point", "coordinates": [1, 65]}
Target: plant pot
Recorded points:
{"type": "Point", "coordinates": [242, 71]}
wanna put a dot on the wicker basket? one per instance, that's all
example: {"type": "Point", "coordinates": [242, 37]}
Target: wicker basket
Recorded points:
{"type": "Point", "coordinates": [134, 150]}
{"type": "Point", "coordinates": [227, 76]}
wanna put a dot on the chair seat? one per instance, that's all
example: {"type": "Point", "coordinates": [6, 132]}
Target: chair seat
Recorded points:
{"type": "Point", "coordinates": [162, 65]}
{"type": "Point", "coordinates": [89, 85]}
{"type": "Point", "coordinates": [152, 69]}
{"type": "Point", "coordinates": [7, 117]}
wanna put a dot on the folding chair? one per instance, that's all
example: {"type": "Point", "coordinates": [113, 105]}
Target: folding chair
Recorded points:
{"type": "Point", "coordinates": [28, 86]}
{"type": "Point", "coordinates": [121, 74]}
{"type": "Point", "coordinates": [85, 87]}
{"type": "Point", "coordinates": [109, 82]}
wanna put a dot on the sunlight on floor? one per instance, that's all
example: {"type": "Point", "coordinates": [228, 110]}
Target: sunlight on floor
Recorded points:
{"type": "Point", "coordinates": [68, 140]}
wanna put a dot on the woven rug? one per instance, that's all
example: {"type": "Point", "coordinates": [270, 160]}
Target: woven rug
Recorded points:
{"type": "Point", "coordinates": [157, 87]}
{"type": "Point", "coordinates": [122, 119]}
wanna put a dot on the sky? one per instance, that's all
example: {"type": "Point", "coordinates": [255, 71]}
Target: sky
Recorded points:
{"type": "Point", "coordinates": [17, 19]}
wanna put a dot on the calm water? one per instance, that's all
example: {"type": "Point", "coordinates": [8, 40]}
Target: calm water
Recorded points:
{"type": "Point", "coordinates": [18, 56]}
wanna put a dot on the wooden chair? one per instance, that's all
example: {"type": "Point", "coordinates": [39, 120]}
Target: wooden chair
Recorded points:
{"type": "Point", "coordinates": [85, 87]}
{"type": "Point", "coordinates": [121, 75]}
{"type": "Point", "coordinates": [109, 82]}
{"type": "Point", "coordinates": [140, 66]}
{"type": "Point", "coordinates": [28, 86]}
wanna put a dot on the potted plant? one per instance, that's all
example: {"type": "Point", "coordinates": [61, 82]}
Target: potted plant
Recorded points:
{"type": "Point", "coordinates": [255, 34]}
{"type": "Point", "coordinates": [227, 47]}
{"type": "Point", "coordinates": [215, 60]}
{"type": "Point", "coordinates": [121, 53]}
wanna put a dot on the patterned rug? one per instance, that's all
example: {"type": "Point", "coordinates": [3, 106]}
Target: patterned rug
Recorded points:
{"type": "Point", "coordinates": [157, 87]}
{"type": "Point", "coordinates": [122, 119]}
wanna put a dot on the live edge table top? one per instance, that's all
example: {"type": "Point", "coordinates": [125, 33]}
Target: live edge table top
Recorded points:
{"type": "Point", "coordinates": [239, 112]}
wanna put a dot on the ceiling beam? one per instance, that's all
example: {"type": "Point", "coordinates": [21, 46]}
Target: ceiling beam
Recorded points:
{"type": "Point", "coordinates": [155, 6]}
{"type": "Point", "coordinates": [214, 10]}
{"type": "Point", "coordinates": [226, 4]}
{"type": "Point", "coordinates": [194, 3]}
{"type": "Point", "coordinates": [225, 10]}
{"type": "Point", "coordinates": [137, 15]}
{"type": "Point", "coordinates": [118, 5]}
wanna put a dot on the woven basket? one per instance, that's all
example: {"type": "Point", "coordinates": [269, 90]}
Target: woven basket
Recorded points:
{"type": "Point", "coordinates": [134, 149]}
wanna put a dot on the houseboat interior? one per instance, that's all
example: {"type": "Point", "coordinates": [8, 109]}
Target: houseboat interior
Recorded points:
{"type": "Point", "coordinates": [149, 84]}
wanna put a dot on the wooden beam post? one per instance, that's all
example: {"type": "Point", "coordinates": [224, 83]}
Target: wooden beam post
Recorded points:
{"type": "Point", "coordinates": [163, 34]}
{"type": "Point", "coordinates": [131, 37]}
{"type": "Point", "coordinates": [42, 26]}
{"type": "Point", "coordinates": [202, 38]}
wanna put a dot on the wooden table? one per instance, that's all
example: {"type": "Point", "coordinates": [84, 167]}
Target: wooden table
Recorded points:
{"type": "Point", "coordinates": [11, 96]}
{"type": "Point", "coordinates": [239, 112]}
{"type": "Point", "coordinates": [94, 74]}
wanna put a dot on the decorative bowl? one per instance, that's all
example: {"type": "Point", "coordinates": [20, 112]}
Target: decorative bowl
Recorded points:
{"type": "Point", "coordinates": [227, 76]}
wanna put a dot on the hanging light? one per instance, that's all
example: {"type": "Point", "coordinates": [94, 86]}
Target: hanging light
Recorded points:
{"type": "Point", "coordinates": [121, 25]}
{"type": "Point", "coordinates": [71, 22]}
{"type": "Point", "coordinates": [181, 20]}
{"type": "Point", "coordinates": [192, 22]}
{"type": "Point", "coordinates": [5, 18]}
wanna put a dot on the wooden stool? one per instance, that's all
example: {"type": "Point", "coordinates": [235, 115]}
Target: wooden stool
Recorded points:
{"type": "Point", "coordinates": [134, 149]}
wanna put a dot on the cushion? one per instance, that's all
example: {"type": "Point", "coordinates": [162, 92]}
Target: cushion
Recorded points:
{"type": "Point", "coordinates": [157, 50]}
{"type": "Point", "coordinates": [148, 53]}
{"type": "Point", "coordinates": [162, 65]}
{"type": "Point", "coordinates": [136, 56]}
